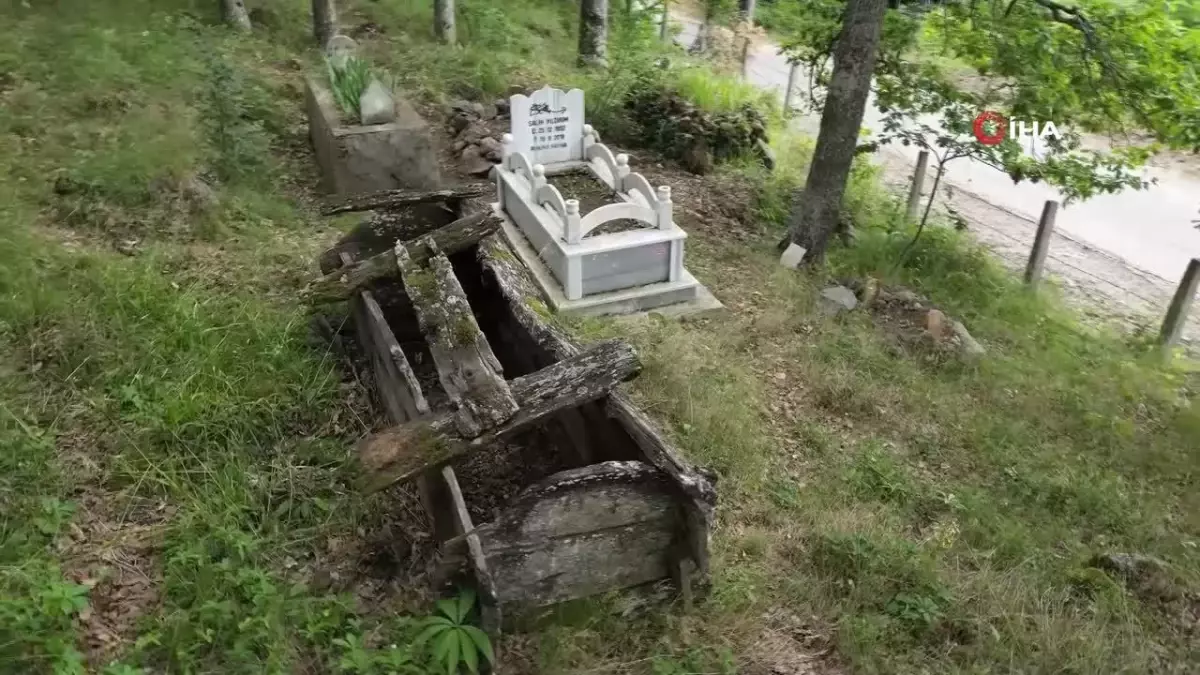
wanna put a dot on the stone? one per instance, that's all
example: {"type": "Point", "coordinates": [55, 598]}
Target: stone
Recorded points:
{"type": "Point", "coordinates": [376, 104]}
{"type": "Point", "coordinates": [358, 159]}
{"type": "Point", "coordinates": [491, 148]}
{"type": "Point", "coordinates": [869, 291]}
{"type": "Point", "coordinates": [1128, 565]}
{"type": "Point", "coordinates": [339, 50]}
{"type": "Point", "coordinates": [459, 122]}
{"type": "Point", "coordinates": [199, 195]}
{"type": "Point", "coordinates": [937, 325]}
{"type": "Point", "coordinates": [697, 158]}
{"type": "Point", "coordinates": [459, 145]}
{"type": "Point", "coordinates": [474, 133]}
{"type": "Point", "coordinates": [792, 257]}
{"type": "Point", "coordinates": [501, 105]}
{"type": "Point", "coordinates": [487, 111]}
{"type": "Point", "coordinates": [464, 107]}
{"type": "Point", "coordinates": [968, 346]}
{"type": "Point", "coordinates": [837, 299]}
{"type": "Point", "coordinates": [127, 247]}
{"type": "Point", "coordinates": [474, 163]}
{"type": "Point", "coordinates": [765, 153]}
{"type": "Point", "coordinates": [547, 126]}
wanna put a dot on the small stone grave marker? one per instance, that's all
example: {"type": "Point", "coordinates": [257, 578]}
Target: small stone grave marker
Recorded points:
{"type": "Point", "coordinates": [792, 256]}
{"type": "Point", "coordinates": [548, 125]}
{"type": "Point", "coordinates": [339, 50]}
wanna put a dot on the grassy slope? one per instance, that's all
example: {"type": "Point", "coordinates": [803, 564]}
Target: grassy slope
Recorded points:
{"type": "Point", "coordinates": [914, 513]}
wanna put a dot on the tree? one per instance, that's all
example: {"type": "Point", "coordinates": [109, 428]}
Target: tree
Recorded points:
{"type": "Point", "coordinates": [1119, 69]}
{"type": "Point", "coordinates": [746, 9]}
{"type": "Point", "coordinates": [236, 15]}
{"type": "Point", "coordinates": [324, 21]}
{"type": "Point", "coordinates": [816, 208]}
{"type": "Point", "coordinates": [593, 32]}
{"type": "Point", "coordinates": [443, 21]}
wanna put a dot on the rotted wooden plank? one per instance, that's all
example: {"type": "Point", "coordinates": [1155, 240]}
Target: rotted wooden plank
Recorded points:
{"type": "Point", "coordinates": [469, 371]}
{"type": "Point", "coordinates": [525, 303]}
{"type": "Point", "coordinates": [483, 577]}
{"type": "Point", "coordinates": [578, 532]}
{"type": "Point", "coordinates": [398, 382]}
{"type": "Point", "coordinates": [697, 486]}
{"type": "Point", "coordinates": [403, 451]}
{"type": "Point", "coordinates": [342, 283]}
{"type": "Point", "coordinates": [394, 199]}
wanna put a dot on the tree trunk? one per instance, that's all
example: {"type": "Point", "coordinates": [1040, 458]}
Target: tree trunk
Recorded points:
{"type": "Point", "coordinates": [815, 209]}
{"type": "Point", "coordinates": [236, 15]}
{"type": "Point", "coordinates": [746, 9]}
{"type": "Point", "coordinates": [593, 32]}
{"type": "Point", "coordinates": [443, 21]}
{"type": "Point", "coordinates": [324, 21]}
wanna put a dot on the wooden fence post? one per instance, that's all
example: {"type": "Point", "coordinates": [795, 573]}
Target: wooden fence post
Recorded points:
{"type": "Point", "coordinates": [791, 86]}
{"type": "Point", "coordinates": [1177, 312]}
{"type": "Point", "coordinates": [918, 184]}
{"type": "Point", "coordinates": [1041, 244]}
{"type": "Point", "coordinates": [664, 28]}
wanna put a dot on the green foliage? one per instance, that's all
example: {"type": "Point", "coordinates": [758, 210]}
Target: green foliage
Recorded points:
{"type": "Point", "coordinates": [239, 142]}
{"type": "Point", "coordinates": [1096, 67]}
{"type": "Point", "coordinates": [454, 643]}
{"type": "Point", "coordinates": [348, 84]}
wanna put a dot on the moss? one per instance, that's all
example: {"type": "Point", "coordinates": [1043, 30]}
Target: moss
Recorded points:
{"type": "Point", "coordinates": [464, 331]}
{"type": "Point", "coordinates": [540, 308]}
{"type": "Point", "coordinates": [503, 254]}
{"type": "Point", "coordinates": [423, 282]}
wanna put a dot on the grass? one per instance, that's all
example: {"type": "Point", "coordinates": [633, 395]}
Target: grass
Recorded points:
{"type": "Point", "coordinates": [173, 475]}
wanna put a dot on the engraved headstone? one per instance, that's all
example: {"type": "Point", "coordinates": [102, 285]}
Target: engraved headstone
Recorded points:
{"type": "Point", "coordinates": [548, 126]}
{"type": "Point", "coordinates": [339, 50]}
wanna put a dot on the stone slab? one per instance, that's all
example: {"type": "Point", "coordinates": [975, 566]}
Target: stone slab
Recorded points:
{"type": "Point", "coordinates": [676, 299]}
{"type": "Point", "coordinates": [361, 159]}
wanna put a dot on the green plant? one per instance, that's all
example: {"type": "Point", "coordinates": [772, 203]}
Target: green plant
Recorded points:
{"type": "Point", "coordinates": [454, 642]}
{"type": "Point", "coordinates": [349, 82]}
{"type": "Point", "coordinates": [239, 142]}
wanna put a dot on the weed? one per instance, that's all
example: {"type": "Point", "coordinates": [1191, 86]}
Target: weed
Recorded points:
{"type": "Point", "coordinates": [453, 642]}
{"type": "Point", "coordinates": [348, 83]}
{"type": "Point", "coordinates": [240, 145]}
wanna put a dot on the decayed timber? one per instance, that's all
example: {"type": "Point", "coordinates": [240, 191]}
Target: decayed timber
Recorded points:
{"type": "Point", "coordinates": [401, 452]}
{"type": "Point", "coordinates": [398, 385]}
{"type": "Point", "coordinates": [394, 199]}
{"type": "Point", "coordinates": [522, 296]}
{"type": "Point", "coordinates": [702, 496]}
{"type": "Point", "coordinates": [380, 230]}
{"type": "Point", "coordinates": [457, 236]}
{"type": "Point", "coordinates": [470, 373]}
{"type": "Point", "coordinates": [465, 528]}
{"type": "Point", "coordinates": [583, 531]}
{"type": "Point", "coordinates": [527, 307]}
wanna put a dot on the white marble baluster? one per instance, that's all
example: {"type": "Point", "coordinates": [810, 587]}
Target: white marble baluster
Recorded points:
{"type": "Point", "coordinates": [589, 137]}
{"type": "Point", "coordinates": [572, 230]}
{"type": "Point", "coordinates": [506, 150]}
{"type": "Point", "coordinates": [665, 217]}
{"type": "Point", "coordinates": [539, 179]}
{"type": "Point", "coordinates": [622, 170]}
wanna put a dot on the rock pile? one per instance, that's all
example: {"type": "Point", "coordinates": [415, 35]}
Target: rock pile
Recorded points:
{"type": "Point", "coordinates": [673, 125]}
{"type": "Point", "coordinates": [478, 128]}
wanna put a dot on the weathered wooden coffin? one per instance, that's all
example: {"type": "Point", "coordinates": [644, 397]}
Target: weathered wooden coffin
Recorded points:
{"type": "Point", "coordinates": [625, 510]}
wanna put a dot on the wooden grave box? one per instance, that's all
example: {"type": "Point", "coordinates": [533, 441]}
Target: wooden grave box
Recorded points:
{"type": "Point", "coordinates": [467, 366]}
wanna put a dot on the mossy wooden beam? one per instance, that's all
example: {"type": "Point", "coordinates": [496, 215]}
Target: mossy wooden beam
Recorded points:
{"type": "Point", "coordinates": [459, 235]}
{"type": "Point", "coordinates": [403, 451]}
{"type": "Point", "coordinates": [394, 199]}
{"type": "Point", "coordinates": [469, 371]}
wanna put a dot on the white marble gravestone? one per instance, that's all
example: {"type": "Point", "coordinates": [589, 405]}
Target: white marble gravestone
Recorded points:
{"type": "Point", "coordinates": [548, 126]}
